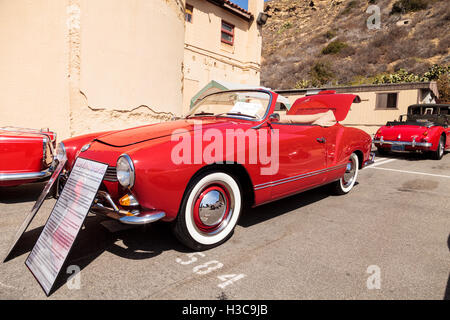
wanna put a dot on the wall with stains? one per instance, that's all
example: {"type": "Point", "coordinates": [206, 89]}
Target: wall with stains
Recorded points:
{"type": "Point", "coordinates": [207, 58]}
{"type": "Point", "coordinates": [34, 88]}
{"type": "Point", "coordinates": [79, 66]}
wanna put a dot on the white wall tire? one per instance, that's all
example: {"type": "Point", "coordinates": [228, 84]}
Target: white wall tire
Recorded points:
{"type": "Point", "coordinates": [345, 184]}
{"type": "Point", "coordinates": [191, 226]}
{"type": "Point", "coordinates": [439, 153]}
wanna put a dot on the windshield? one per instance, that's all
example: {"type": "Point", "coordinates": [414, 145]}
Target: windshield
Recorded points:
{"type": "Point", "coordinates": [245, 104]}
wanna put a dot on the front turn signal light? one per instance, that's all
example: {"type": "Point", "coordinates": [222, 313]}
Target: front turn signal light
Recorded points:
{"type": "Point", "coordinates": [128, 201]}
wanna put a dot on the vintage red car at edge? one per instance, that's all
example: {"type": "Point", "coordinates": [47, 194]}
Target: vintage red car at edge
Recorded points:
{"type": "Point", "coordinates": [26, 155]}
{"type": "Point", "coordinates": [203, 198]}
{"type": "Point", "coordinates": [424, 128]}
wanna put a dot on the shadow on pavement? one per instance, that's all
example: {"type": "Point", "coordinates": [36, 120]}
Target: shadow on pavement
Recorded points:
{"type": "Point", "coordinates": [408, 156]}
{"type": "Point", "coordinates": [22, 193]}
{"type": "Point", "coordinates": [137, 243]}
{"type": "Point", "coordinates": [277, 208]}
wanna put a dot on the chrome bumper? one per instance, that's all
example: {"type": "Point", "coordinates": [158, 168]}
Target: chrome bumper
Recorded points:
{"type": "Point", "coordinates": [134, 218]}
{"type": "Point", "coordinates": [371, 159]}
{"type": "Point", "coordinates": [404, 143]}
{"type": "Point", "coordinates": [26, 175]}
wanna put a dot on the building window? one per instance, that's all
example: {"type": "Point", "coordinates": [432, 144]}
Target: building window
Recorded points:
{"type": "Point", "coordinates": [188, 13]}
{"type": "Point", "coordinates": [227, 34]}
{"type": "Point", "coordinates": [387, 100]}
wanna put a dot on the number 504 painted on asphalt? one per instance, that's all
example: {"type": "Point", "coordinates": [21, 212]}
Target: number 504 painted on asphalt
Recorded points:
{"type": "Point", "coordinates": [208, 267]}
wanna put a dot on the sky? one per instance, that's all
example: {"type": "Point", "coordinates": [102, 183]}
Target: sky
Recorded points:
{"type": "Point", "coordinates": [242, 3]}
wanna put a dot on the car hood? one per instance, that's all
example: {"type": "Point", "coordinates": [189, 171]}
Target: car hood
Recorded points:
{"type": "Point", "coordinates": [136, 135]}
{"type": "Point", "coordinates": [404, 131]}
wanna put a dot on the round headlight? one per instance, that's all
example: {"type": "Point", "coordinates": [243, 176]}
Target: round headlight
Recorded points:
{"type": "Point", "coordinates": [125, 171]}
{"type": "Point", "coordinates": [60, 152]}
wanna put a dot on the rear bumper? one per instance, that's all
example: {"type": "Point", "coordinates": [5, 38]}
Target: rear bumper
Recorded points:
{"type": "Point", "coordinates": [370, 161]}
{"type": "Point", "coordinates": [403, 143]}
{"type": "Point", "coordinates": [25, 176]}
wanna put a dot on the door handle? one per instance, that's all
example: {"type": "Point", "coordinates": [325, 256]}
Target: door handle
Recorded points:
{"type": "Point", "coordinates": [321, 140]}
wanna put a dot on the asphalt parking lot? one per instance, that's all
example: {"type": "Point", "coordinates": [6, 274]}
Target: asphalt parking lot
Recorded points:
{"type": "Point", "coordinates": [314, 245]}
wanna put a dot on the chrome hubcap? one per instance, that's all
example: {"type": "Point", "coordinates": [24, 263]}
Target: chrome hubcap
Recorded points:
{"type": "Point", "coordinates": [350, 172]}
{"type": "Point", "coordinates": [441, 147]}
{"type": "Point", "coordinates": [212, 208]}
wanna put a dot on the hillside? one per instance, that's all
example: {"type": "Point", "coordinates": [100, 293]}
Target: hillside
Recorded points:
{"type": "Point", "coordinates": [327, 42]}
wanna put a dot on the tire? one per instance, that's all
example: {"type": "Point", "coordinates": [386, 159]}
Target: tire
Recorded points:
{"type": "Point", "coordinates": [345, 184]}
{"type": "Point", "coordinates": [200, 225]}
{"type": "Point", "coordinates": [382, 151]}
{"type": "Point", "coordinates": [439, 153]}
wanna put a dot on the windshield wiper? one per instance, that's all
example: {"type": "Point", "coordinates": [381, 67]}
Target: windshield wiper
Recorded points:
{"type": "Point", "coordinates": [236, 114]}
{"type": "Point", "coordinates": [200, 114]}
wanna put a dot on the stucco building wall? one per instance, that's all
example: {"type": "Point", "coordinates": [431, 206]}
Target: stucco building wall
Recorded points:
{"type": "Point", "coordinates": [79, 66]}
{"type": "Point", "coordinates": [130, 64]}
{"type": "Point", "coordinates": [206, 58]}
{"type": "Point", "coordinates": [33, 65]}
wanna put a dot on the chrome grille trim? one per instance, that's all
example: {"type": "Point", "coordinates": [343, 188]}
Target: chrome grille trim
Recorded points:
{"type": "Point", "coordinates": [111, 174]}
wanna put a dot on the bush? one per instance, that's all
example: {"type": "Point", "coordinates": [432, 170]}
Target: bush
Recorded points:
{"type": "Point", "coordinates": [334, 47]}
{"type": "Point", "coordinates": [443, 84]}
{"type": "Point", "coordinates": [405, 6]}
{"type": "Point", "coordinates": [285, 26]}
{"type": "Point", "coordinates": [352, 4]}
{"type": "Point", "coordinates": [437, 73]}
{"type": "Point", "coordinates": [321, 74]}
{"type": "Point", "coordinates": [330, 34]}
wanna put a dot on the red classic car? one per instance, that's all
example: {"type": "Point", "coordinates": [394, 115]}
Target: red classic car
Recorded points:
{"type": "Point", "coordinates": [424, 128]}
{"type": "Point", "coordinates": [26, 155]}
{"type": "Point", "coordinates": [232, 149]}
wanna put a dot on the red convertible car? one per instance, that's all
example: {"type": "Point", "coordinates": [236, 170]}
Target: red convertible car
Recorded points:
{"type": "Point", "coordinates": [232, 149]}
{"type": "Point", "coordinates": [26, 155]}
{"type": "Point", "coordinates": [424, 128]}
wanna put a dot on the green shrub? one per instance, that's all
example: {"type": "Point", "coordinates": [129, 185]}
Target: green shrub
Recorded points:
{"type": "Point", "coordinates": [352, 4]}
{"type": "Point", "coordinates": [334, 47]}
{"type": "Point", "coordinates": [321, 74]}
{"type": "Point", "coordinates": [285, 26]}
{"type": "Point", "coordinates": [302, 84]}
{"type": "Point", "coordinates": [405, 6]}
{"type": "Point", "coordinates": [330, 34]}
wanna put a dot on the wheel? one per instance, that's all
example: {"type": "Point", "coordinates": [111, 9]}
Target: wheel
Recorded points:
{"type": "Point", "coordinates": [382, 152]}
{"type": "Point", "coordinates": [437, 155]}
{"type": "Point", "coordinates": [209, 211]}
{"type": "Point", "coordinates": [346, 183]}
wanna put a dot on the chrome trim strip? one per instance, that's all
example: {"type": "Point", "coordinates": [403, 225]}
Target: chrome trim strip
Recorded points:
{"type": "Point", "coordinates": [25, 175]}
{"type": "Point", "coordinates": [404, 143]}
{"type": "Point", "coordinates": [298, 177]}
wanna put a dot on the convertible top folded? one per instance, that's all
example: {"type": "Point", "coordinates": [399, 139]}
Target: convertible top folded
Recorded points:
{"type": "Point", "coordinates": [323, 119]}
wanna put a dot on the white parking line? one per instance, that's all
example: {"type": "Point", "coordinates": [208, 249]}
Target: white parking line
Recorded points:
{"type": "Point", "coordinates": [413, 172]}
{"type": "Point", "coordinates": [377, 163]}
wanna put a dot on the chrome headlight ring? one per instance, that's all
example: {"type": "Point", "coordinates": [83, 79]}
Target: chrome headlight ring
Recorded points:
{"type": "Point", "coordinates": [60, 152]}
{"type": "Point", "coordinates": [125, 171]}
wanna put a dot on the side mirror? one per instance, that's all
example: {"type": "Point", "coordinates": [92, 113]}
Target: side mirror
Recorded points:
{"type": "Point", "coordinates": [275, 117]}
